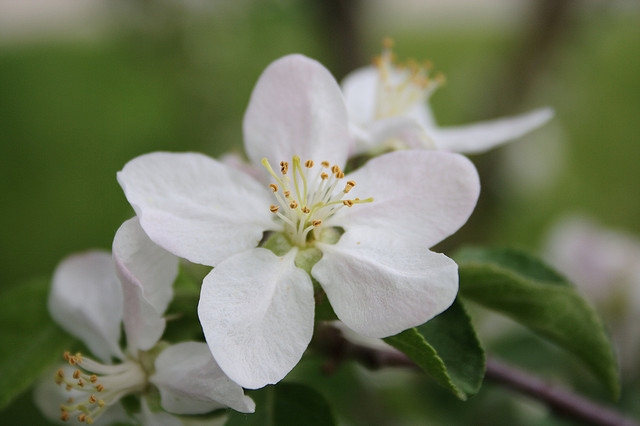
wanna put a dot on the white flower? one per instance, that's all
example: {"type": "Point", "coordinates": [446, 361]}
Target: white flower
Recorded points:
{"type": "Point", "coordinates": [92, 295]}
{"type": "Point", "coordinates": [370, 230]}
{"type": "Point", "coordinates": [388, 108]}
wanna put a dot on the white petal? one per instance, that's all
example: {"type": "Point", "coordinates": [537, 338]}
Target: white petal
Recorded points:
{"type": "Point", "coordinates": [359, 89]}
{"type": "Point", "coordinates": [196, 207]}
{"type": "Point", "coordinates": [86, 300]}
{"type": "Point", "coordinates": [379, 286]}
{"type": "Point", "coordinates": [479, 137]}
{"type": "Point", "coordinates": [422, 196]}
{"type": "Point", "coordinates": [190, 382]}
{"type": "Point", "coordinates": [146, 417]}
{"type": "Point", "coordinates": [256, 310]}
{"type": "Point", "coordinates": [296, 108]}
{"type": "Point", "coordinates": [400, 133]}
{"type": "Point", "coordinates": [146, 273]}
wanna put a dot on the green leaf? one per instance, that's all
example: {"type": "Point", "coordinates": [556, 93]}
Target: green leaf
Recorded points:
{"type": "Point", "coordinates": [30, 343]}
{"type": "Point", "coordinates": [447, 349]}
{"type": "Point", "coordinates": [523, 288]}
{"type": "Point", "coordinates": [285, 404]}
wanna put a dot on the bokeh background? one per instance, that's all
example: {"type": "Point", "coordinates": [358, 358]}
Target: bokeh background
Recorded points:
{"type": "Point", "coordinates": [86, 86]}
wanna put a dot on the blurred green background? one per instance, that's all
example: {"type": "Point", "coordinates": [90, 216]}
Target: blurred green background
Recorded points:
{"type": "Point", "coordinates": [136, 76]}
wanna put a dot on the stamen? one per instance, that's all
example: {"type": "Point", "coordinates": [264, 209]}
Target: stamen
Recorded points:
{"type": "Point", "coordinates": [306, 199]}
{"type": "Point", "coordinates": [348, 186]}
{"type": "Point", "coordinates": [114, 382]}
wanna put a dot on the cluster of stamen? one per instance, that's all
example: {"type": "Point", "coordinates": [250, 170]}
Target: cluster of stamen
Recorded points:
{"type": "Point", "coordinates": [306, 198]}
{"type": "Point", "coordinates": [104, 385]}
{"type": "Point", "coordinates": [401, 86]}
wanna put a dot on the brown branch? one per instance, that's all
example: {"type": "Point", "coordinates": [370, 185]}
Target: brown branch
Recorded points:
{"type": "Point", "coordinates": [330, 341]}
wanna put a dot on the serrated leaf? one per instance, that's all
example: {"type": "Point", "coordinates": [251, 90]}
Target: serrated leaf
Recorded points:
{"type": "Point", "coordinates": [285, 404]}
{"type": "Point", "coordinates": [447, 349]}
{"type": "Point", "coordinates": [523, 288]}
{"type": "Point", "coordinates": [29, 342]}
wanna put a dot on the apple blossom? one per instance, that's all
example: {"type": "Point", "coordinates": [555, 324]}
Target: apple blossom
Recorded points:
{"type": "Point", "coordinates": [363, 237]}
{"type": "Point", "coordinates": [92, 295]}
{"type": "Point", "coordinates": [388, 108]}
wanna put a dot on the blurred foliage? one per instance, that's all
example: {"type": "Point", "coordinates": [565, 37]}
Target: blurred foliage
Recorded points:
{"type": "Point", "coordinates": [73, 113]}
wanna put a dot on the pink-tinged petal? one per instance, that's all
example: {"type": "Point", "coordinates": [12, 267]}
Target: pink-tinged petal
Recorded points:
{"type": "Point", "coordinates": [296, 108]}
{"type": "Point", "coordinates": [86, 300]}
{"type": "Point", "coordinates": [420, 196]}
{"type": "Point", "coordinates": [256, 310]}
{"type": "Point", "coordinates": [380, 286]}
{"type": "Point", "coordinates": [146, 273]}
{"type": "Point", "coordinates": [196, 207]}
{"type": "Point", "coordinates": [479, 137]}
{"type": "Point", "coordinates": [359, 89]}
{"type": "Point", "coordinates": [191, 382]}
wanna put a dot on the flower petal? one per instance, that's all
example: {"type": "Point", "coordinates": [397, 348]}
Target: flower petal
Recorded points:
{"type": "Point", "coordinates": [190, 382]}
{"type": "Point", "coordinates": [379, 286]}
{"type": "Point", "coordinates": [86, 300]}
{"type": "Point", "coordinates": [257, 311]}
{"type": "Point", "coordinates": [146, 273]}
{"type": "Point", "coordinates": [196, 207]}
{"type": "Point", "coordinates": [479, 137]}
{"type": "Point", "coordinates": [296, 108]}
{"type": "Point", "coordinates": [359, 89]}
{"type": "Point", "coordinates": [421, 196]}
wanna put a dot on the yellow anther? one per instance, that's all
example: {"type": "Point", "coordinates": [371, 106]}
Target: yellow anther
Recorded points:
{"type": "Point", "coordinates": [82, 417]}
{"type": "Point", "coordinates": [348, 203]}
{"type": "Point", "coordinates": [284, 167]}
{"type": "Point", "coordinates": [293, 204]}
{"type": "Point", "coordinates": [60, 373]}
{"type": "Point", "coordinates": [325, 164]}
{"type": "Point", "coordinates": [99, 387]}
{"type": "Point", "coordinates": [316, 223]}
{"type": "Point", "coordinates": [89, 420]}
{"type": "Point", "coordinates": [286, 194]}
{"type": "Point", "coordinates": [64, 415]}
{"type": "Point", "coordinates": [68, 387]}
{"type": "Point", "coordinates": [273, 187]}
{"type": "Point", "coordinates": [76, 374]}
{"type": "Point", "coordinates": [274, 209]}
{"type": "Point", "coordinates": [348, 186]}
{"type": "Point", "coordinates": [335, 169]}
{"type": "Point", "coordinates": [305, 210]}
{"type": "Point", "coordinates": [92, 399]}
{"type": "Point", "coordinates": [339, 174]}
{"type": "Point", "coordinates": [101, 403]}
{"type": "Point", "coordinates": [93, 378]}
{"type": "Point", "coordinates": [324, 176]}
{"type": "Point", "coordinates": [308, 164]}
{"type": "Point", "coordinates": [80, 383]}
{"type": "Point", "coordinates": [70, 401]}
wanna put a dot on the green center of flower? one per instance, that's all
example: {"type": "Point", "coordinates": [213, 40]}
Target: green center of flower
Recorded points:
{"type": "Point", "coordinates": [307, 195]}
{"type": "Point", "coordinates": [401, 87]}
{"type": "Point", "coordinates": [103, 385]}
